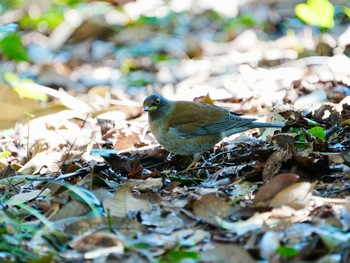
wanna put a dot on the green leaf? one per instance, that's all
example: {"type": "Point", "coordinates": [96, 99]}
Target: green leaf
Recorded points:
{"type": "Point", "coordinates": [5, 154]}
{"type": "Point", "coordinates": [346, 11]}
{"type": "Point", "coordinates": [287, 252]}
{"type": "Point", "coordinates": [178, 255]}
{"type": "Point", "coordinates": [24, 91]}
{"type": "Point", "coordinates": [11, 47]}
{"type": "Point", "coordinates": [301, 134]}
{"type": "Point", "coordinates": [316, 13]}
{"type": "Point", "coordinates": [318, 132]}
{"type": "Point", "coordinates": [46, 21]}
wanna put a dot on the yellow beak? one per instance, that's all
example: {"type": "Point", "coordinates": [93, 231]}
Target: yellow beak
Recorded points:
{"type": "Point", "coordinates": [149, 108]}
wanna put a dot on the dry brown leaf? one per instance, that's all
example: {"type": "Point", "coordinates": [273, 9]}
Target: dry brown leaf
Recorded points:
{"type": "Point", "coordinates": [98, 244]}
{"type": "Point", "coordinates": [65, 128]}
{"type": "Point", "coordinates": [128, 135]}
{"type": "Point", "coordinates": [209, 206]}
{"type": "Point", "coordinates": [150, 183]}
{"type": "Point", "coordinates": [14, 112]}
{"type": "Point", "coordinates": [123, 202]}
{"type": "Point", "coordinates": [131, 165]}
{"type": "Point", "coordinates": [296, 196]}
{"type": "Point", "coordinates": [25, 197]}
{"type": "Point", "coordinates": [226, 253]}
{"type": "Point", "coordinates": [158, 217]}
{"type": "Point", "coordinates": [273, 187]}
{"type": "Point", "coordinates": [9, 96]}
{"type": "Point", "coordinates": [77, 226]}
{"type": "Point", "coordinates": [52, 161]}
{"type": "Point", "coordinates": [80, 225]}
{"type": "Point", "coordinates": [124, 141]}
{"type": "Point", "coordinates": [13, 108]}
{"type": "Point", "coordinates": [70, 209]}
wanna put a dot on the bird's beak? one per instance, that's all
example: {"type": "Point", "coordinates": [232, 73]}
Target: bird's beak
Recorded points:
{"type": "Point", "coordinates": [149, 108]}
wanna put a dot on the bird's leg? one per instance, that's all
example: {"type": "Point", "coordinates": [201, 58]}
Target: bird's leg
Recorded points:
{"type": "Point", "coordinates": [196, 158]}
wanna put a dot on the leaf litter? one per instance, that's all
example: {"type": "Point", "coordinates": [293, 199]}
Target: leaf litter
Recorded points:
{"type": "Point", "coordinates": [87, 181]}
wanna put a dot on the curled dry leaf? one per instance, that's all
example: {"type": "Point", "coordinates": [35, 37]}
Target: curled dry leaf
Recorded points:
{"type": "Point", "coordinates": [210, 206]}
{"type": "Point", "coordinates": [296, 196]}
{"type": "Point", "coordinates": [273, 187]}
{"type": "Point", "coordinates": [52, 161]}
{"type": "Point", "coordinates": [98, 244]}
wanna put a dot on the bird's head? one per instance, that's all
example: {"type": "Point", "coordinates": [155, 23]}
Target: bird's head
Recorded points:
{"type": "Point", "coordinates": [156, 105]}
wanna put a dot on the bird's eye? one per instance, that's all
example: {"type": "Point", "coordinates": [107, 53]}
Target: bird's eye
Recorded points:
{"type": "Point", "coordinates": [157, 101]}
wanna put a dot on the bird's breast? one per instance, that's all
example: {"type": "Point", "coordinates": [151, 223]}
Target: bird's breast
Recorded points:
{"type": "Point", "coordinates": [173, 141]}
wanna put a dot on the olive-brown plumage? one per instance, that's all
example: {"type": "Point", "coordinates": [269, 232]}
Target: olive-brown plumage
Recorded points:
{"type": "Point", "coordinates": [191, 128]}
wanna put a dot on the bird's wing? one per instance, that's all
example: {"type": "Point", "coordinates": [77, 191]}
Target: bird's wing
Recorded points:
{"type": "Point", "coordinates": [196, 119]}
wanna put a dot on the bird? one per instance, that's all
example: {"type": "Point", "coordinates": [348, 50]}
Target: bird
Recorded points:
{"type": "Point", "coordinates": [192, 128]}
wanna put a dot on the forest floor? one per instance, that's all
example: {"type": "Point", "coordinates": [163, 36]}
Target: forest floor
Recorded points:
{"type": "Point", "coordinates": [83, 180]}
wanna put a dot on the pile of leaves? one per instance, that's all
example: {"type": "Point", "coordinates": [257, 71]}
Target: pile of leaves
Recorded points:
{"type": "Point", "coordinates": [83, 180]}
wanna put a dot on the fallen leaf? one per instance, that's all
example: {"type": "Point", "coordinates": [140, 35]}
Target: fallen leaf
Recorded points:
{"type": "Point", "coordinates": [209, 206]}
{"type": "Point", "coordinates": [150, 183]}
{"type": "Point", "coordinates": [98, 244]}
{"type": "Point", "coordinates": [131, 165]}
{"type": "Point", "coordinates": [25, 197]}
{"type": "Point", "coordinates": [123, 202]}
{"type": "Point", "coordinates": [273, 187]}
{"type": "Point", "coordinates": [296, 196]}
{"type": "Point", "coordinates": [52, 161]}
{"type": "Point", "coordinates": [73, 208]}
{"type": "Point", "coordinates": [160, 218]}
{"type": "Point", "coordinates": [253, 223]}
{"type": "Point", "coordinates": [226, 253]}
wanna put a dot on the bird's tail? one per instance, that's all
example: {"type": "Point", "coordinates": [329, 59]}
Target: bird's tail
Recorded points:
{"type": "Point", "coordinates": [253, 125]}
